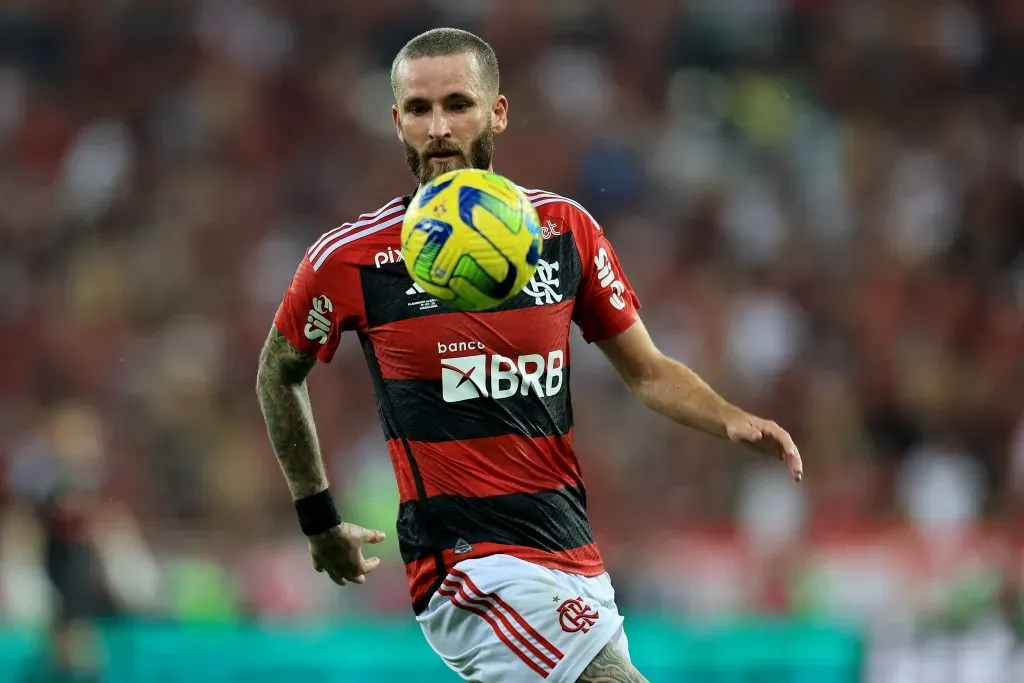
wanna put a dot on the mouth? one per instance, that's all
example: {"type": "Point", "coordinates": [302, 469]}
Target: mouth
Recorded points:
{"type": "Point", "coordinates": [442, 157]}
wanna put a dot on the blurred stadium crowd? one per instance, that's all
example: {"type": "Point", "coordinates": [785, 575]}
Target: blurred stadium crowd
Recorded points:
{"type": "Point", "coordinates": [820, 204]}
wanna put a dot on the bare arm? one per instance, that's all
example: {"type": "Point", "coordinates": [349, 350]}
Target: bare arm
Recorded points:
{"type": "Point", "coordinates": [610, 666]}
{"type": "Point", "coordinates": [677, 392]}
{"type": "Point", "coordinates": [284, 400]}
{"type": "Point", "coordinates": [666, 385]}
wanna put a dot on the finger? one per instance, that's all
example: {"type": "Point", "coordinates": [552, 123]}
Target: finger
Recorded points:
{"type": "Point", "coordinates": [359, 579]}
{"type": "Point", "coordinates": [790, 455]}
{"type": "Point", "coordinates": [781, 437]}
{"type": "Point", "coordinates": [788, 452]}
{"type": "Point", "coordinates": [368, 565]}
{"type": "Point", "coordinates": [788, 447]}
{"type": "Point", "coordinates": [796, 466]}
{"type": "Point", "coordinates": [336, 577]}
{"type": "Point", "coordinates": [747, 433]}
{"type": "Point", "coordinates": [792, 461]}
{"type": "Point", "coordinates": [372, 536]}
{"type": "Point", "coordinates": [751, 432]}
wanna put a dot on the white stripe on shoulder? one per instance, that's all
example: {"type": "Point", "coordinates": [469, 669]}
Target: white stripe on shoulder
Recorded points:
{"type": "Point", "coordinates": [365, 219]}
{"type": "Point", "coordinates": [542, 197]}
{"type": "Point", "coordinates": [352, 237]}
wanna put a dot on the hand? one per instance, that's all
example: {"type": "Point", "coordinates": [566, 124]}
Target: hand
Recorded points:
{"type": "Point", "coordinates": [339, 552]}
{"type": "Point", "coordinates": [764, 436]}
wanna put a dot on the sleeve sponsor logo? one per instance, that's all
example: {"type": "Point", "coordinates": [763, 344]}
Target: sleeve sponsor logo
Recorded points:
{"type": "Point", "coordinates": [607, 277]}
{"type": "Point", "coordinates": [318, 325]}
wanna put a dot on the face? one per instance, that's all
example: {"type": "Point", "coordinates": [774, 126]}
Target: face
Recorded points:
{"type": "Point", "coordinates": [445, 117]}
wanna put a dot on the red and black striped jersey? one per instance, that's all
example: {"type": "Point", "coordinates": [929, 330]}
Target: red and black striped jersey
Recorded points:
{"type": "Point", "coordinates": [475, 407]}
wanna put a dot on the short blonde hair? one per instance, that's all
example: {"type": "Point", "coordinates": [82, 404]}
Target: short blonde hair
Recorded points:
{"type": "Point", "coordinates": [442, 42]}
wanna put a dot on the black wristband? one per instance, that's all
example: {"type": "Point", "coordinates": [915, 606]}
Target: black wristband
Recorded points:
{"type": "Point", "coordinates": [317, 513]}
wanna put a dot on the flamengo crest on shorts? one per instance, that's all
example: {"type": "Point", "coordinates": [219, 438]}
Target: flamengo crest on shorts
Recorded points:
{"type": "Point", "coordinates": [575, 615]}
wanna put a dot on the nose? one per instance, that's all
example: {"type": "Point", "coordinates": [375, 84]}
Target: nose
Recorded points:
{"type": "Point", "coordinates": [439, 127]}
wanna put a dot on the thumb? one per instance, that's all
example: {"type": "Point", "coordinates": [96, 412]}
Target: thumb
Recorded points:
{"type": "Point", "coordinates": [747, 432]}
{"type": "Point", "coordinates": [372, 536]}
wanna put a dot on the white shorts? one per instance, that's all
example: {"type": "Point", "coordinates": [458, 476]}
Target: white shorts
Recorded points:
{"type": "Point", "coordinates": [499, 618]}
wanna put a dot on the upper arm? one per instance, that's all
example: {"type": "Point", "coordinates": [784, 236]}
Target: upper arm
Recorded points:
{"type": "Point", "coordinates": [633, 353]}
{"type": "Point", "coordinates": [606, 304]}
{"type": "Point", "coordinates": [317, 306]}
{"type": "Point", "coordinates": [607, 308]}
{"type": "Point", "coordinates": [283, 363]}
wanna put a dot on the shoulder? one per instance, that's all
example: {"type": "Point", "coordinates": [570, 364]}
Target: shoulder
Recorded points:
{"type": "Point", "coordinates": [558, 211]}
{"type": "Point", "coordinates": [347, 242]}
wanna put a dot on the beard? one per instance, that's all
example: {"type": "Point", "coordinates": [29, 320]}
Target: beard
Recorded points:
{"type": "Point", "coordinates": [481, 151]}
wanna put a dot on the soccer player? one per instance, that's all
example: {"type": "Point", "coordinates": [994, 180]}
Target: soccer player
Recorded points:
{"type": "Point", "coordinates": [504, 575]}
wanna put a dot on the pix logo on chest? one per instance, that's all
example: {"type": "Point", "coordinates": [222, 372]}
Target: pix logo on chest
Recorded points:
{"type": "Point", "coordinates": [390, 255]}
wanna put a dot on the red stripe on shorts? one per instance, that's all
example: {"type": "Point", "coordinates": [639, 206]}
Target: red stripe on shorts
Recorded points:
{"type": "Point", "coordinates": [484, 612]}
{"type": "Point", "coordinates": [484, 602]}
{"type": "Point", "coordinates": [508, 608]}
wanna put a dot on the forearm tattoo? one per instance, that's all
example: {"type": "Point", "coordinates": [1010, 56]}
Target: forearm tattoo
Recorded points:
{"type": "Point", "coordinates": [610, 666]}
{"type": "Point", "coordinates": [284, 401]}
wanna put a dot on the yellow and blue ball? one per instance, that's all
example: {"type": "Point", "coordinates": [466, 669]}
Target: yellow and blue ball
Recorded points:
{"type": "Point", "coordinates": [471, 238]}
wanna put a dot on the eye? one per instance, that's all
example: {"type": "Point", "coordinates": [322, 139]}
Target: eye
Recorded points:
{"type": "Point", "coordinates": [461, 106]}
{"type": "Point", "coordinates": [418, 110]}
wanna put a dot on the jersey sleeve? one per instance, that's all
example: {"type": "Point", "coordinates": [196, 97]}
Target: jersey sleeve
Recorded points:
{"type": "Point", "coordinates": [606, 304]}
{"type": "Point", "coordinates": [316, 309]}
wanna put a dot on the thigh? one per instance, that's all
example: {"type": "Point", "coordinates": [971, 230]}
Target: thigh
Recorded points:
{"type": "Point", "coordinates": [502, 619]}
{"type": "Point", "coordinates": [611, 665]}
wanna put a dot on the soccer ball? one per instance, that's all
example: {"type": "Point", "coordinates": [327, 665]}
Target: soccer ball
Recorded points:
{"type": "Point", "coordinates": [471, 238]}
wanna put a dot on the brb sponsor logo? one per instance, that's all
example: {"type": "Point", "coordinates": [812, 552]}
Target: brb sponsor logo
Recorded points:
{"type": "Point", "coordinates": [318, 326]}
{"type": "Point", "coordinates": [383, 258]}
{"type": "Point", "coordinates": [606, 276]}
{"type": "Point", "coordinates": [495, 376]}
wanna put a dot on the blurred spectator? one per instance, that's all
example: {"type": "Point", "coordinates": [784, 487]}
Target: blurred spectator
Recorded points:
{"type": "Point", "coordinates": [88, 549]}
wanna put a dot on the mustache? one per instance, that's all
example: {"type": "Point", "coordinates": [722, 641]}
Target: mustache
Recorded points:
{"type": "Point", "coordinates": [441, 148]}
